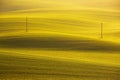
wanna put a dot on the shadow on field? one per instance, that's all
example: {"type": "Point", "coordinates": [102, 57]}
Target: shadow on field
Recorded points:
{"type": "Point", "coordinates": [56, 43]}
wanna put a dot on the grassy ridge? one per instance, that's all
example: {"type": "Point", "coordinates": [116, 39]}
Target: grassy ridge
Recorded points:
{"type": "Point", "coordinates": [58, 43]}
{"type": "Point", "coordinates": [45, 57]}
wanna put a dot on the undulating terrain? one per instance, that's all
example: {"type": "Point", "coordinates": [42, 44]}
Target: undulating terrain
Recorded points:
{"type": "Point", "coordinates": [59, 40]}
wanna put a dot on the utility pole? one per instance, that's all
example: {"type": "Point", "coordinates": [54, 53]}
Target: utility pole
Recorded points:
{"type": "Point", "coordinates": [101, 33]}
{"type": "Point", "coordinates": [26, 24]}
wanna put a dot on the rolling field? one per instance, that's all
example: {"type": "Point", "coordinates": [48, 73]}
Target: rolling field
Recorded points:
{"type": "Point", "coordinates": [64, 40]}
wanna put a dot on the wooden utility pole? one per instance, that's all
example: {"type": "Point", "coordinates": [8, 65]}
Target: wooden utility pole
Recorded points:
{"type": "Point", "coordinates": [101, 33]}
{"type": "Point", "coordinates": [26, 24]}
